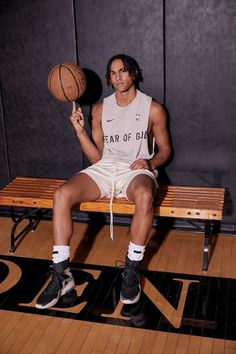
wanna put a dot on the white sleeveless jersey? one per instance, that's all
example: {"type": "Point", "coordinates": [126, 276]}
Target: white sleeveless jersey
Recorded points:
{"type": "Point", "coordinates": [125, 128]}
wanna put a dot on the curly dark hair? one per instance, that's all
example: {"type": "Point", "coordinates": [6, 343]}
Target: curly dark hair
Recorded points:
{"type": "Point", "coordinates": [130, 64]}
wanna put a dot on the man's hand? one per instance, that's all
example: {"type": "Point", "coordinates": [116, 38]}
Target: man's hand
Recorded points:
{"type": "Point", "coordinates": [77, 119]}
{"type": "Point", "coordinates": [141, 164]}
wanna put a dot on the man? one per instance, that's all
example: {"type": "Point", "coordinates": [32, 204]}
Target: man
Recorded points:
{"type": "Point", "coordinates": [125, 127]}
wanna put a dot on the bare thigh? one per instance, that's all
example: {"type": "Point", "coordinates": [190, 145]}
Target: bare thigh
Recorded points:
{"type": "Point", "coordinates": [139, 185]}
{"type": "Point", "coordinates": [80, 188]}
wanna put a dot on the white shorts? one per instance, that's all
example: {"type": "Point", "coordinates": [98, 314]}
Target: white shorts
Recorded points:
{"type": "Point", "coordinates": [113, 176]}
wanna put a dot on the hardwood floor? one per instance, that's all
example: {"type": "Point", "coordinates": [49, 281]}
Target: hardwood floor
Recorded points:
{"type": "Point", "coordinates": [172, 252]}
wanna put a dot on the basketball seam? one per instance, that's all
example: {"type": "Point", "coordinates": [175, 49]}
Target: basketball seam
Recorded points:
{"type": "Point", "coordinates": [60, 78]}
{"type": "Point", "coordinates": [78, 89]}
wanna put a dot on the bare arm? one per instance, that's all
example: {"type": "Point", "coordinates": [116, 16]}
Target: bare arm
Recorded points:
{"type": "Point", "coordinates": [93, 151]}
{"type": "Point", "coordinates": [158, 119]}
{"type": "Point", "coordinates": [158, 126]}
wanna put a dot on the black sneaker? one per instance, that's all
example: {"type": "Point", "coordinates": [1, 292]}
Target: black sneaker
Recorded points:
{"type": "Point", "coordinates": [130, 288]}
{"type": "Point", "coordinates": [61, 283]}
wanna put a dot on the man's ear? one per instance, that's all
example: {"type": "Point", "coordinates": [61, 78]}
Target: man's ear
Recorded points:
{"type": "Point", "coordinates": [135, 74]}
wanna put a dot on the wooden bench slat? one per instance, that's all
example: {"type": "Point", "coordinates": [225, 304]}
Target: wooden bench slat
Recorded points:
{"type": "Point", "coordinates": [37, 179]}
{"type": "Point", "coordinates": [169, 211]}
{"type": "Point", "coordinates": [167, 199]}
{"type": "Point", "coordinates": [159, 211]}
{"type": "Point", "coordinates": [192, 196]}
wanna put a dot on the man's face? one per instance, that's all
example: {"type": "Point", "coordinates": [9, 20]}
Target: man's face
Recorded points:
{"type": "Point", "coordinates": [121, 80]}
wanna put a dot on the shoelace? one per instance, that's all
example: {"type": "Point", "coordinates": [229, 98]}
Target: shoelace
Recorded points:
{"type": "Point", "coordinates": [129, 273]}
{"type": "Point", "coordinates": [120, 264]}
{"type": "Point", "coordinates": [55, 279]}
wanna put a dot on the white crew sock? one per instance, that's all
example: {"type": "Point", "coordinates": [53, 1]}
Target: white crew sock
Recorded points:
{"type": "Point", "coordinates": [135, 252]}
{"type": "Point", "coordinates": [60, 253]}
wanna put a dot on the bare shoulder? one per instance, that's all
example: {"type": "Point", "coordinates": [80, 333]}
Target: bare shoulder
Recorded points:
{"type": "Point", "coordinates": [157, 112]}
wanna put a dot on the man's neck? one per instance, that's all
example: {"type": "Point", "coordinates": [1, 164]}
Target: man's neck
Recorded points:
{"type": "Point", "coordinates": [125, 98]}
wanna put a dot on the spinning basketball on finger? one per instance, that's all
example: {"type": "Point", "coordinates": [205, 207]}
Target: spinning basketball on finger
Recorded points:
{"type": "Point", "coordinates": [67, 83]}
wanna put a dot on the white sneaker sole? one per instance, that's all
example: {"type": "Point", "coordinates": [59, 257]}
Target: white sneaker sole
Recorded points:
{"type": "Point", "coordinates": [131, 301]}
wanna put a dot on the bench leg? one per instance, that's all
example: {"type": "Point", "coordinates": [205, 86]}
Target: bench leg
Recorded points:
{"type": "Point", "coordinates": [33, 220]}
{"type": "Point", "coordinates": [209, 227]}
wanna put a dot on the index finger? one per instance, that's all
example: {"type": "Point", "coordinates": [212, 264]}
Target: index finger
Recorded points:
{"type": "Point", "coordinates": [74, 107]}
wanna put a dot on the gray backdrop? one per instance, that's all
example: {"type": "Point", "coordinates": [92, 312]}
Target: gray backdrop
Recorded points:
{"type": "Point", "coordinates": [187, 51]}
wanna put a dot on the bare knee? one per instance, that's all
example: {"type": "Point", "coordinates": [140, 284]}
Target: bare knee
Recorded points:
{"type": "Point", "coordinates": [63, 197]}
{"type": "Point", "coordinates": [143, 198]}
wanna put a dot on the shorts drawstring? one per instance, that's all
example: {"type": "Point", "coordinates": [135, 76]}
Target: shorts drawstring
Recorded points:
{"type": "Point", "coordinates": [111, 200]}
{"type": "Point", "coordinates": [111, 211]}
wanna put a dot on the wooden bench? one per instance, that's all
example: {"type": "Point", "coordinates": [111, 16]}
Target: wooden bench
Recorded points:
{"type": "Point", "coordinates": [36, 194]}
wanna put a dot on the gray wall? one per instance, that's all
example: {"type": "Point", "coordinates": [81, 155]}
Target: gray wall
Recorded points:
{"type": "Point", "coordinates": [200, 93]}
{"type": "Point", "coordinates": [187, 51]}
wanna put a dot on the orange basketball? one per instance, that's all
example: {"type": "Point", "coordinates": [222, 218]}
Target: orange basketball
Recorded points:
{"type": "Point", "coordinates": [67, 82]}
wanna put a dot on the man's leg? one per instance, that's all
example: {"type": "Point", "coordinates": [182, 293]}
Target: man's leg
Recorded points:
{"type": "Point", "coordinates": [141, 191]}
{"type": "Point", "coordinates": [77, 189]}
